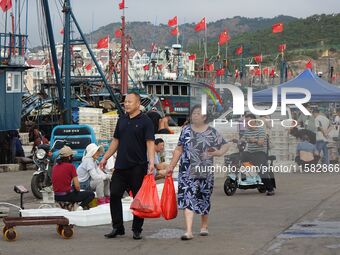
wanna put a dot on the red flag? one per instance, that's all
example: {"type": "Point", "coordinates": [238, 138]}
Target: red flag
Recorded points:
{"type": "Point", "coordinates": [122, 5]}
{"type": "Point", "coordinates": [210, 67]}
{"type": "Point", "coordinates": [200, 25]}
{"type": "Point", "coordinates": [5, 5]}
{"type": "Point", "coordinates": [192, 57]}
{"type": "Point", "coordinates": [88, 67]}
{"type": "Point", "coordinates": [272, 73]}
{"type": "Point", "coordinates": [257, 72]}
{"type": "Point", "coordinates": [174, 31]}
{"type": "Point", "coordinates": [258, 58]}
{"type": "Point", "coordinates": [282, 47]}
{"type": "Point", "coordinates": [118, 33]}
{"type": "Point", "coordinates": [220, 72]}
{"type": "Point", "coordinates": [239, 50]}
{"type": "Point", "coordinates": [172, 22]}
{"type": "Point", "coordinates": [223, 38]}
{"type": "Point", "coordinates": [309, 64]}
{"type": "Point", "coordinates": [103, 42]}
{"type": "Point", "coordinates": [61, 31]}
{"type": "Point", "coordinates": [265, 71]}
{"type": "Point", "coordinates": [146, 67]}
{"type": "Point", "coordinates": [277, 28]}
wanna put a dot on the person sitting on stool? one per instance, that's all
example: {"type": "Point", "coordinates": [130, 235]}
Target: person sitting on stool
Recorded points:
{"type": "Point", "coordinates": [63, 174]}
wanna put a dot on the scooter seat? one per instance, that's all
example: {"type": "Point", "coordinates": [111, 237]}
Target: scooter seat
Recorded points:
{"type": "Point", "coordinates": [271, 157]}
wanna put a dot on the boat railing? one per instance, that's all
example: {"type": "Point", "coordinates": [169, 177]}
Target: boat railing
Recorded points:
{"type": "Point", "coordinates": [12, 49]}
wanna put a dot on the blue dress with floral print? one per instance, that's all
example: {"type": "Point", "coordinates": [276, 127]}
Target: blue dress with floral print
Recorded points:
{"type": "Point", "coordinates": [195, 183]}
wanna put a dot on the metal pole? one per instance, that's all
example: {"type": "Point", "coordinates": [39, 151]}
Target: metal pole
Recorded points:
{"type": "Point", "coordinates": [53, 53]}
{"type": "Point", "coordinates": [67, 63]}
{"type": "Point", "coordinates": [26, 29]}
{"type": "Point", "coordinates": [123, 70]}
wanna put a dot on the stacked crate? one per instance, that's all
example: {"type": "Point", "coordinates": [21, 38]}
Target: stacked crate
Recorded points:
{"type": "Point", "coordinates": [280, 140]}
{"type": "Point", "coordinates": [92, 117]}
{"type": "Point", "coordinates": [108, 126]}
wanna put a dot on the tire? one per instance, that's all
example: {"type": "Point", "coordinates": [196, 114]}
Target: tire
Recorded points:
{"type": "Point", "coordinates": [37, 184]}
{"type": "Point", "coordinates": [261, 189]}
{"type": "Point", "coordinates": [4, 229]}
{"type": "Point", "coordinates": [59, 229]}
{"type": "Point", "coordinates": [10, 234]}
{"type": "Point", "coordinates": [229, 186]}
{"type": "Point", "coordinates": [67, 232]}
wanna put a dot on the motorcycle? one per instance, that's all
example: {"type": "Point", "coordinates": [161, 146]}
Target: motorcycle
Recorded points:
{"type": "Point", "coordinates": [42, 178]}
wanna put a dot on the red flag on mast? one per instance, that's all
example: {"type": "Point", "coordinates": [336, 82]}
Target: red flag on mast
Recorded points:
{"type": "Point", "coordinates": [239, 50]}
{"type": "Point", "coordinates": [200, 25]}
{"type": "Point", "coordinates": [174, 31]}
{"type": "Point", "coordinates": [103, 42]}
{"type": "Point", "coordinates": [282, 47]}
{"type": "Point", "coordinates": [223, 38]}
{"type": "Point", "coordinates": [5, 5]}
{"type": "Point", "coordinates": [118, 33]}
{"type": "Point", "coordinates": [309, 64]}
{"type": "Point", "coordinates": [258, 58]}
{"type": "Point", "coordinates": [172, 22]}
{"type": "Point", "coordinates": [277, 28]}
{"type": "Point", "coordinates": [192, 57]}
{"type": "Point", "coordinates": [122, 5]}
{"type": "Point", "coordinates": [220, 72]}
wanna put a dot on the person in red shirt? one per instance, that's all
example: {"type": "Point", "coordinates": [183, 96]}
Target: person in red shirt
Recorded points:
{"type": "Point", "coordinates": [63, 175]}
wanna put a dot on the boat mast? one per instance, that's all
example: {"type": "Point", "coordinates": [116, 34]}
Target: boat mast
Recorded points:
{"type": "Point", "coordinates": [124, 59]}
{"type": "Point", "coordinates": [53, 54]}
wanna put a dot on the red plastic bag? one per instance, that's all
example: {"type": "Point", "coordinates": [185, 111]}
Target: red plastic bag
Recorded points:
{"type": "Point", "coordinates": [146, 202]}
{"type": "Point", "coordinates": [168, 199]}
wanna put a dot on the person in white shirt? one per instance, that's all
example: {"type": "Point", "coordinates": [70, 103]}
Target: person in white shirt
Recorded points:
{"type": "Point", "coordinates": [322, 125]}
{"type": "Point", "coordinates": [91, 177]}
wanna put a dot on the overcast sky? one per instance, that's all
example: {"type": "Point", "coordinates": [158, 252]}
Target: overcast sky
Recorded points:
{"type": "Point", "coordinates": [96, 13]}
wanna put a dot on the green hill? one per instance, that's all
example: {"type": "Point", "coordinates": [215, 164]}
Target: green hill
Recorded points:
{"type": "Point", "coordinates": [309, 36]}
{"type": "Point", "coordinates": [306, 36]}
{"type": "Point", "coordinates": [143, 34]}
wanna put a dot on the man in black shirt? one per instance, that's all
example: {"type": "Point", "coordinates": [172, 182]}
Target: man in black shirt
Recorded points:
{"type": "Point", "coordinates": [134, 142]}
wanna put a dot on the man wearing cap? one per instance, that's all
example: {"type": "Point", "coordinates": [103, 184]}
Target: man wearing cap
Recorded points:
{"type": "Point", "coordinates": [63, 175]}
{"type": "Point", "coordinates": [134, 142]}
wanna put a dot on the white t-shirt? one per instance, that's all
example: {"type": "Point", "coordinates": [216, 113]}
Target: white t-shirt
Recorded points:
{"type": "Point", "coordinates": [322, 122]}
{"type": "Point", "coordinates": [89, 169]}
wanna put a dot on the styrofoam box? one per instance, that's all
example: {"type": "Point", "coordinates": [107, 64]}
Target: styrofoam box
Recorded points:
{"type": "Point", "coordinates": [99, 215]}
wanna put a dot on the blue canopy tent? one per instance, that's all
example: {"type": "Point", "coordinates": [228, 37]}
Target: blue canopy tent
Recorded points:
{"type": "Point", "coordinates": [321, 91]}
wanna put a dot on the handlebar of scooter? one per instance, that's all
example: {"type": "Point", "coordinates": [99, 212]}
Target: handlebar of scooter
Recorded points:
{"type": "Point", "coordinates": [64, 142]}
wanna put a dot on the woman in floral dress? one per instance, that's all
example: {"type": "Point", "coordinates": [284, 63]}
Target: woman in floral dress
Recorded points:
{"type": "Point", "coordinates": [197, 145]}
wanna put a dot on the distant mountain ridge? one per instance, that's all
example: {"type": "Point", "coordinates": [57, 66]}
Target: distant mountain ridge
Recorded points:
{"type": "Point", "coordinates": [143, 34]}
